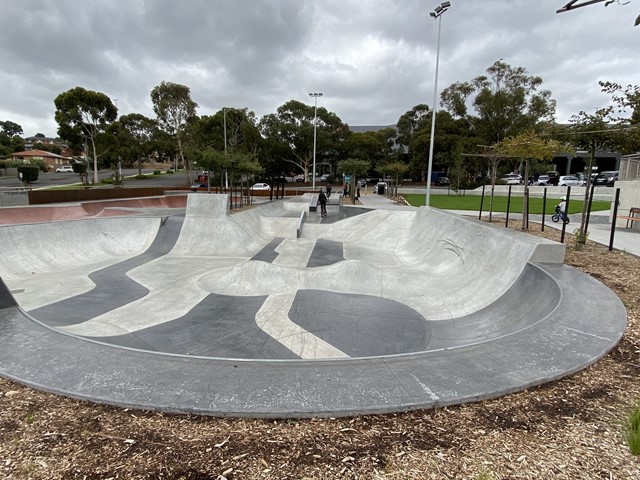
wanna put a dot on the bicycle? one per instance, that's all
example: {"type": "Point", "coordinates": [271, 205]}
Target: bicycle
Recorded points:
{"type": "Point", "coordinates": [323, 209]}
{"type": "Point", "coordinates": [558, 215]}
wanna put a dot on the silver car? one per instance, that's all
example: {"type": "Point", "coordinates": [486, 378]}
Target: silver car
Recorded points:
{"type": "Point", "coordinates": [569, 181]}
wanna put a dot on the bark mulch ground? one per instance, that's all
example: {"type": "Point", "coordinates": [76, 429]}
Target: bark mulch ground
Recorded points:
{"type": "Point", "coordinates": [568, 429]}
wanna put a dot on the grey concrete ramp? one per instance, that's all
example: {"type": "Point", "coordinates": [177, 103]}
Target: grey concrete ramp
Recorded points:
{"type": "Point", "coordinates": [232, 314]}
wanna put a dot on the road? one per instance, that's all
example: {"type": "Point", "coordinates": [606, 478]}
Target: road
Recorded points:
{"type": "Point", "coordinates": [46, 180]}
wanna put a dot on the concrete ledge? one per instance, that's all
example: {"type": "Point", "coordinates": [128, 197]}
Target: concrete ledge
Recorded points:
{"type": "Point", "coordinates": [313, 204]}
{"type": "Point", "coordinates": [301, 219]}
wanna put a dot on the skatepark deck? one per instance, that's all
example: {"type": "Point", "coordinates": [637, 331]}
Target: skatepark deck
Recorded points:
{"type": "Point", "coordinates": [233, 315]}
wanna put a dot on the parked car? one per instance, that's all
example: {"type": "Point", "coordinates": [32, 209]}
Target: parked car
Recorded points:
{"type": "Point", "coordinates": [583, 178]}
{"type": "Point", "coordinates": [443, 182]}
{"type": "Point", "coordinates": [64, 169]}
{"type": "Point", "coordinates": [362, 182]}
{"type": "Point", "coordinates": [569, 181]}
{"type": "Point", "coordinates": [299, 178]}
{"type": "Point", "coordinates": [606, 178]}
{"type": "Point", "coordinates": [512, 179]}
{"type": "Point", "coordinates": [195, 186]}
{"type": "Point", "coordinates": [260, 186]}
{"type": "Point", "coordinates": [543, 180]}
{"type": "Point", "coordinates": [324, 177]}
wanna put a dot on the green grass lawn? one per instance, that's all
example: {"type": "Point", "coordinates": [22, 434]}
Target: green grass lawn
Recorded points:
{"type": "Point", "coordinates": [472, 202]}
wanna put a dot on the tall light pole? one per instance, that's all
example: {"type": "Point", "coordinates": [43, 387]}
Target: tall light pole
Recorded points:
{"type": "Point", "coordinates": [224, 121]}
{"type": "Point", "coordinates": [315, 124]}
{"type": "Point", "coordinates": [436, 14]}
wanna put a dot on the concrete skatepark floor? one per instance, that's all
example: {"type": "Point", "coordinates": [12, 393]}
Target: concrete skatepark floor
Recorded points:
{"type": "Point", "coordinates": [393, 310]}
{"type": "Point", "coordinates": [500, 430]}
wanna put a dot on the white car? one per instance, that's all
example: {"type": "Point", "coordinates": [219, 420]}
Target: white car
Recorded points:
{"type": "Point", "coordinates": [569, 181]}
{"type": "Point", "coordinates": [64, 169]}
{"type": "Point", "coordinates": [260, 186]}
{"type": "Point", "coordinates": [512, 179]}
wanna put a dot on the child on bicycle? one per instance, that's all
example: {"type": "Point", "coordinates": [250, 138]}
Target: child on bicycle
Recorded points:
{"type": "Point", "coordinates": [322, 200]}
{"type": "Point", "coordinates": [561, 209]}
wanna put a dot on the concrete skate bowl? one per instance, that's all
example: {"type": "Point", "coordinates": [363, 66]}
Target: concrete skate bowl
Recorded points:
{"type": "Point", "coordinates": [79, 210]}
{"type": "Point", "coordinates": [232, 315]}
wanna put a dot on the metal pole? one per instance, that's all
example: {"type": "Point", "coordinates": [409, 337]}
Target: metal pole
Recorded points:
{"type": "Point", "coordinates": [433, 115]}
{"type": "Point", "coordinates": [224, 119]}
{"type": "Point", "coordinates": [544, 206]}
{"type": "Point", "coordinates": [315, 124]}
{"type": "Point", "coordinates": [506, 222]}
{"type": "Point", "coordinates": [613, 220]}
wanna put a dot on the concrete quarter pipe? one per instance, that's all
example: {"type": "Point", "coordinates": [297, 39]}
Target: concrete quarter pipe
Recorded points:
{"type": "Point", "coordinates": [233, 315]}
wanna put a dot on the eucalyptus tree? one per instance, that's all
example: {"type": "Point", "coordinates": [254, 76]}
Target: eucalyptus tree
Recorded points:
{"type": "Point", "coordinates": [140, 130]}
{"type": "Point", "coordinates": [83, 115]}
{"type": "Point", "coordinates": [10, 128]}
{"type": "Point", "coordinates": [451, 137]}
{"type": "Point", "coordinates": [10, 140]}
{"type": "Point", "coordinates": [292, 127]}
{"type": "Point", "coordinates": [174, 107]}
{"type": "Point", "coordinates": [368, 146]}
{"type": "Point", "coordinates": [505, 102]}
{"type": "Point", "coordinates": [412, 122]}
{"type": "Point", "coordinates": [205, 137]}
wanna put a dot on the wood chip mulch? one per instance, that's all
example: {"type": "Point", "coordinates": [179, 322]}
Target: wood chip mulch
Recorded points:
{"type": "Point", "coordinates": [568, 429]}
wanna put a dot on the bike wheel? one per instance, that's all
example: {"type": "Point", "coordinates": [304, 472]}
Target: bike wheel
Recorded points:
{"type": "Point", "coordinates": [555, 218]}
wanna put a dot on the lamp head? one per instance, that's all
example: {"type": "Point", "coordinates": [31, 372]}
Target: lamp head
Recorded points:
{"type": "Point", "coordinates": [432, 14]}
{"type": "Point", "coordinates": [445, 4]}
{"type": "Point", "coordinates": [437, 10]}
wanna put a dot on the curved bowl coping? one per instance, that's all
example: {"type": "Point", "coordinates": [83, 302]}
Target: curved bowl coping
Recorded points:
{"type": "Point", "coordinates": [587, 321]}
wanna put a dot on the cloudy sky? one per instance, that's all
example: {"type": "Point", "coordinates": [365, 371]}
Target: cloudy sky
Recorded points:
{"type": "Point", "coordinates": [372, 59]}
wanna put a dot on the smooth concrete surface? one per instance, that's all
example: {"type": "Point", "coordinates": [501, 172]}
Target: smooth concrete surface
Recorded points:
{"type": "Point", "coordinates": [232, 314]}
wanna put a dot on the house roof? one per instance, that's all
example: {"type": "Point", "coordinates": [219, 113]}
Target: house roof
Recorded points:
{"type": "Point", "coordinates": [37, 153]}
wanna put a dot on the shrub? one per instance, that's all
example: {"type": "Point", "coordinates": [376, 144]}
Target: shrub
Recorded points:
{"type": "Point", "coordinates": [632, 430]}
{"type": "Point", "coordinates": [157, 172]}
{"type": "Point", "coordinates": [79, 167]}
{"type": "Point", "coordinates": [29, 172]}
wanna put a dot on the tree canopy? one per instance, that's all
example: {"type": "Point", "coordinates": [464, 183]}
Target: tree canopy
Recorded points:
{"type": "Point", "coordinates": [174, 107]}
{"type": "Point", "coordinates": [292, 128]}
{"type": "Point", "coordinates": [84, 114]}
{"type": "Point", "coordinates": [505, 102]}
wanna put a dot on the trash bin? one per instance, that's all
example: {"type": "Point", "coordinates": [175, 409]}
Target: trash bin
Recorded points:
{"type": "Point", "coordinates": [381, 187]}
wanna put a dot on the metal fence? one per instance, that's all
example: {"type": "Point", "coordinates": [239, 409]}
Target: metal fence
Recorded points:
{"type": "Point", "coordinates": [630, 167]}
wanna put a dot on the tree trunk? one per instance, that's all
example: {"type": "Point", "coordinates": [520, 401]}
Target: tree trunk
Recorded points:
{"type": "Point", "coordinates": [525, 196]}
{"type": "Point", "coordinates": [585, 206]}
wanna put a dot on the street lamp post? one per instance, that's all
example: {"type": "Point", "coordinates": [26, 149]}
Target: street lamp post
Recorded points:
{"type": "Point", "coordinates": [224, 121]}
{"type": "Point", "coordinates": [315, 123]}
{"type": "Point", "coordinates": [436, 14]}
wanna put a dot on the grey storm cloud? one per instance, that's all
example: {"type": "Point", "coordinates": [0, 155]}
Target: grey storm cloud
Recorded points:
{"type": "Point", "coordinates": [372, 59]}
